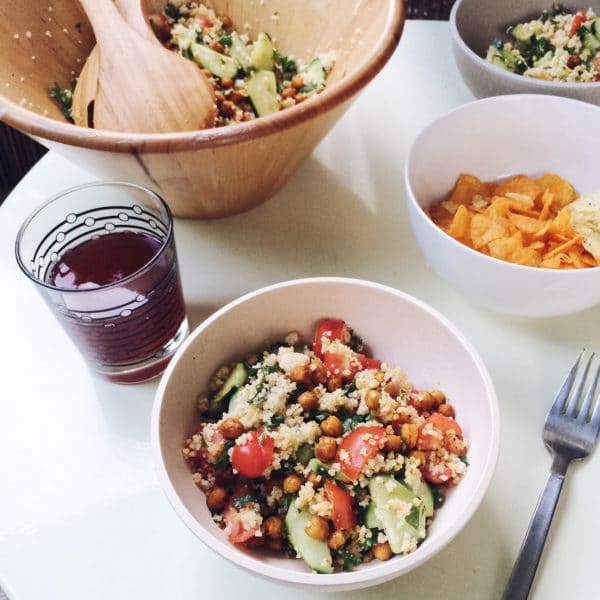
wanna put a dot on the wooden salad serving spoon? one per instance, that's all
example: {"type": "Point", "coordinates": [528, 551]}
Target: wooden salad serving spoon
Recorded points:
{"type": "Point", "coordinates": [87, 82]}
{"type": "Point", "coordinates": [137, 85]}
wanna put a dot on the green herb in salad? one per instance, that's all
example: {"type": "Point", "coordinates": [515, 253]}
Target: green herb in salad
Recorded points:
{"type": "Point", "coordinates": [64, 98]}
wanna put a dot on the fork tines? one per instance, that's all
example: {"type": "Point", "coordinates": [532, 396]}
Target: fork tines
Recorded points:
{"type": "Point", "coordinates": [571, 401]}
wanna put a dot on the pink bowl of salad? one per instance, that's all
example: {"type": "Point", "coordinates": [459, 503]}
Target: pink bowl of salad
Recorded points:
{"type": "Point", "coordinates": [328, 444]}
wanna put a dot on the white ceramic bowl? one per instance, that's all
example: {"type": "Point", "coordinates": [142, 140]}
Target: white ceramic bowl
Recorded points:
{"type": "Point", "coordinates": [473, 26]}
{"type": "Point", "coordinates": [399, 329]}
{"type": "Point", "coordinates": [495, 138]}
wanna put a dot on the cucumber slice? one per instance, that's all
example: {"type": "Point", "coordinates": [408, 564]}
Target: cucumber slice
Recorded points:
{"type": "Point", "coordinates": [544, 60]}
{"type": "Point", "coordinates": [371, 520]}
{"type": "Point", "coordinates": [239, 51]}
{"type": "Point", "coordinates": [262, 90]}
{"type": "Point", "coordinates": [322, 469]}
{"type": "Point", "coordinates": [494, 56]}
{"type": "Point", "coordinates": [315, 553]}
{"type": "Point", "coordinates": [424, 492]}
{"type": "Point", "coordinates": [315, 73]}
{"type": "Point", "coordinates": [218, 64]}
{"type": "Point", "coordinates": [521, 33]}
{"type": "Point", "coordinates": [386, 493]}
{"type": "Point", "coordinates": [591, 41]}
{"type": "Point", "coordinates": [262, 55]}
{"type": "Point", "coordinates": [218, 403]}
{"type": "Point", "coordinates": [595, 27]}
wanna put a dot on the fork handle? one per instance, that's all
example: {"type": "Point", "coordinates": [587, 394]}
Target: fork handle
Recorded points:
{"type": "Point", "coordinates": [527, 562]}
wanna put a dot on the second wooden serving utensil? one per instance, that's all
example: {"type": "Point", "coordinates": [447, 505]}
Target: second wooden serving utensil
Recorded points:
{"type": "Point", "coordinates": [140, 87]}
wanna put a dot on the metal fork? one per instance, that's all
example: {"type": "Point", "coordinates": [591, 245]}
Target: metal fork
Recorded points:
{"type": "Point", "coordinates": [570, 432]}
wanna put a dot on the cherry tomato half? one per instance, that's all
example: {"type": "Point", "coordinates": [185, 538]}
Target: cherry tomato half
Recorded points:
{"type": "Point", "coordinates": [437, 475]}
{"type": "Point", "coordinates": [578, 20]}
{"type": "Point", "coordinates": [343, 515]}
{"type": "Point", "coordinates": [355, 450]}
{"type": "Point", "coordinates": [254, 455]}
{"type": "Point", "coordinates": [239, 531]}
{"type": "Point", "coordinates": [331, 329]}
{"type": "Point", "coordinates": [433, 431]}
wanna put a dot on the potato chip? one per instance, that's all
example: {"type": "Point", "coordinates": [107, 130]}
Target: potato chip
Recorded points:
{"type": "Point", "coordinates": [485, 229]}
{"type": "Point", "coordinates": [563, 191]}
{"type": "Point", "coordinates": [526, 224]}
{"type": "Point", "coordinates": [521, 220]}
{"type": "Point", "coordinates": [459, 228]}
{"type": "Point", "coordinates": [468, 186]}
{"type": "Point", "coordinates": [520, 184]}
{"type": "Point", "coordinates": [512, 249]}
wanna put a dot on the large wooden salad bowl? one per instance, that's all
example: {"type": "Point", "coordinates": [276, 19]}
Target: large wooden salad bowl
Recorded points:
{"type": "Point", "coordinates": [206, 173]}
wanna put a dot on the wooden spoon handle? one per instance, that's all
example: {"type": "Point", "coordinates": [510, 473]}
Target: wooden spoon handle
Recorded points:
{"type": "Point", "coordinates": [134, 12]}
{"type": "Point", "coordinates": [109, 26]}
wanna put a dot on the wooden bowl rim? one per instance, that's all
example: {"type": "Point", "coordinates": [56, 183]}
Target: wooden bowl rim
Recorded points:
{"type": "Point", "coordinates": [40, 126]}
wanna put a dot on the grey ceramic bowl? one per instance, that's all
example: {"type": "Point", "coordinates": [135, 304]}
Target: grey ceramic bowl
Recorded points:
{"type": "Point", "coordinates": [473, 26]}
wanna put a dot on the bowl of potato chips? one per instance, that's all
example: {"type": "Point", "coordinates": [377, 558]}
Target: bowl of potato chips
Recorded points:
{"type": "Point", "coordinates": [504, 201]}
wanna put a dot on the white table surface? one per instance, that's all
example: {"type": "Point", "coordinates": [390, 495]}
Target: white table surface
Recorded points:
{"type": "Point", "coordinates": [81, 512]}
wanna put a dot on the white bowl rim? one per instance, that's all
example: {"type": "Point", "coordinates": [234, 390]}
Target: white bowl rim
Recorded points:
{"type": "Point", "coordinates": [507, 75]}
{"type": "Point", "coordinates": [506, 98]}
{"type": "Point", "coordinates": [376, 573]}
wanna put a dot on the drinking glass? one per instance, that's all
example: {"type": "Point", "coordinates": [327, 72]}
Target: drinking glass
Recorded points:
{"type": "Point", "coordinates": [103, 257]}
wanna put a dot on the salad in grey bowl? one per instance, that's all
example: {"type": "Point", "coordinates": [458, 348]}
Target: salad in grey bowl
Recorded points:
{"type": "Point", "coordinates": [528, 46]}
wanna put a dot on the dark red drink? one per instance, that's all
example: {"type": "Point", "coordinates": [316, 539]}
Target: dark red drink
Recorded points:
{"type": "Point", "coordinates": [126, 303]}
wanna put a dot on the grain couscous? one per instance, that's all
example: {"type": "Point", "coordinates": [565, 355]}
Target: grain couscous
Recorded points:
{"type": "Point", "coordinates": [251, 78]}
{"type": "Point", "coordinates": [559, 46]}
{"type": "Point", "coordinates": [320, 452]}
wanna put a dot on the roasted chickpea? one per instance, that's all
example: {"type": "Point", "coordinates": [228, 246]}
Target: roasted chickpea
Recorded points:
{"type": "Point", "coordinates": [326, 449]}
{"type": "Point", "coordinates": [446, 409]}
{"type": "Point", "coordinates": [298, 82]}
{"type": "Point", "coordinates": [226, 82]}
{"type": "Point", "coordinates": [227, 108]}
{"type": "Point", "coordinates": [372, 398]}
{"type": "Point", "coordinates": [438, 396]}
{"type": "Point", "coordinates": [422, 401]}
{"type": "Point", "coordinates": [272, 527]}
{"type": "Point", "coordinates": [392, 389]}
{"type": "Point", "coordinates": [313, 478]}
{"type": "Point", "coordinates": [318, 371]}
{"type": "Point", "coordinates": [217, 499]}
{"type": "Point", "coordinates": [231, 428]}
{"type": "Point", "coordinates": [382, 551]}
{"type": "Point", "coordinates": [334, 383]}
{"type": "Point", "coordinates": [308, 401]}
{"type": "Point", "coordinates": [332, 426]}
{"type": "Point", "coordinates": [409, 433]}
{"type": "Point", "coordinates": [216, 46]}
{"type": "Point", "coordinates": [317, 528]}
{"type": "Point", "coordinates": [336, 539]}
{"type": "Point", "coordinates": [398, 420]}
{"type": "Point", "coordinates": [393, 443]}
{"type": "Point", "coordinates": [292, 483]}
{"type": "Point", "coordinates": [300, 374]}
{"type": "Point", "coordinates": [419, 455]}
{"type": "Point", "coordinates": [288, 92]}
